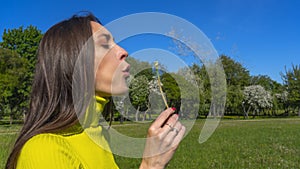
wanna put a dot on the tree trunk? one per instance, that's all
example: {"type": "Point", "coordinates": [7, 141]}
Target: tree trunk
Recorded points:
{"type": "Point", "coordinates": [24, 117]}
{"type": "Point", "coordinates": [254, 113]}
{"type": "Point", "coordinates": [145, 113]}
{"type": "Point", "coordinates": [10, 118]}
{"type": "Point", "coordinates": [246, 114]}
{"type": "Point", "coordinates": [10, 115]}
{"type": "Point", "coordinates": [137, 114]}
{"type": "Point", "coordinates": [122, 117]}
{"type": "Point", "coordinates": [126, 114]}
{"type": "Point", "coordinates": [213, 111]}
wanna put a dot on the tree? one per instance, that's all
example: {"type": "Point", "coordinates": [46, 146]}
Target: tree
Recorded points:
{"type": "Point", "coordinates": [234, 100]}
{"type": "Point", "coordinates": [205, 91]}
{"type": "Point", "coordinates": [256, 98]}
{"type": "Point", "coordinates": [291, 80]}
{"type": "Point", "coordinates": [236, 77]}
{"type": "Point", "coordinates": [140, 88]}
{"type": "Point", "coordinates": [213, 89]}
{"type": "Point", "coordinates": [266, 82]}
{"type": "Point", "coordinates": [138, 94]}
{"type": "Point", "coordinates": [196, 77]}
{"type": "Point", "coordinates": [272, 86]}
{"type": "Point", "coordinates": [12, 72]}
{"type": "Point", "coordinates": [25, 43]}
{"type": "Point", "coordinates": [171, 90]}
{"type": "Point", "coordinates": [282, 101]}
{"type": "Point", "coordinates": [236, 74]}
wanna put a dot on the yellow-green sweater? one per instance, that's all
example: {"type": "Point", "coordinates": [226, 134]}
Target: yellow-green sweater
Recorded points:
{"type": "Point", "coordinates": [74, 148]}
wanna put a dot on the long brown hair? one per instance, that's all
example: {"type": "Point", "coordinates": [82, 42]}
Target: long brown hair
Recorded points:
{"type": "Point", "coordinates": [51, 105]}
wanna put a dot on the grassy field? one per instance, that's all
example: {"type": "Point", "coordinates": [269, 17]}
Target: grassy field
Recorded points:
{"type": "Point", "coordinates": [263, 143]}
{"type": "Point", "coordinates": [7, 137]}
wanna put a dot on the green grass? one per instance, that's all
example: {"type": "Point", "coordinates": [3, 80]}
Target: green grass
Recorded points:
{"type": "Point", "coordinates": [7, 137]}
{"type": "Point", "coordinates": [263, 143]}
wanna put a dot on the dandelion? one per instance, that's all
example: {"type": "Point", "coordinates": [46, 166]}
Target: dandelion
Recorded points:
{"type": "Point", "coordinates": [156, 64]}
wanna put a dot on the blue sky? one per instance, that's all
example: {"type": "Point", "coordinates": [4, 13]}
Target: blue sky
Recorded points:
{"type": "Point", "coordinates": [263, 35]}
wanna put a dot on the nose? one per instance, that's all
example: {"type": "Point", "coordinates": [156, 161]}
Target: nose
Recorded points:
{"type": "Point", "coordinates": [122, 54]}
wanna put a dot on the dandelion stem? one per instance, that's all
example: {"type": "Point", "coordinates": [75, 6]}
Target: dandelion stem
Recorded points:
{"type": "Point", "coordinates": [159, 84]}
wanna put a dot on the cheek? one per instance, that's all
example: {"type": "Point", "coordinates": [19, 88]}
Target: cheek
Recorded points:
{"type": "Point", "coordinates": [109, 77]}
{"type": "Point", "coordinates": [105, 75]}
{"type": "Point", "coordinates": [111, 82]}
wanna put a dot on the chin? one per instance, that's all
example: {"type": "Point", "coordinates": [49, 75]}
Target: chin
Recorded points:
{"type": "Point", "coordinates": [113, 93]}
{"type": "Point", "coordinates": [121, 92]}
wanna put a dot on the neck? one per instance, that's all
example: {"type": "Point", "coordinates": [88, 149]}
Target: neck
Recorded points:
{"type": "Point", "coordinates": [93, 113]}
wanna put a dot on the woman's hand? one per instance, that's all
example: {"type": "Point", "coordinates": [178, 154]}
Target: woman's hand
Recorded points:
{"type": "Point", "coordinates": [163, 138]}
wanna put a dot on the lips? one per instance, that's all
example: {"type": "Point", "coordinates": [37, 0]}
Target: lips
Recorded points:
{"type": "Point", "coordinates": [127, 68]}
{"type": "Point", "coordinates": [126, 71]}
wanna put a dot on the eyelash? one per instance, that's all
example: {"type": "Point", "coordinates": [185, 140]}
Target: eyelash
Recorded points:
{"type": "Point", "coordinates": [106, 46]}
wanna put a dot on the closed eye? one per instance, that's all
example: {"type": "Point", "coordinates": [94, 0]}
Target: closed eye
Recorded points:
{"type": "Point", "coordinates": [106, 46]}
{"type": "Point", "coordinates": [104, 40]}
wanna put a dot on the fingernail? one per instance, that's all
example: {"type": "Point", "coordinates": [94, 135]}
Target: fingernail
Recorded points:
{"type": "Point", "coordinates": [173, 108]}
{"type": "Point", "coordinates": [176, 116]}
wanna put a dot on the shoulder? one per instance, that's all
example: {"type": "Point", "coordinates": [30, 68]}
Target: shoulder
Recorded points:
{"type": "Point", "coordinates": [47, 151]}
{"type": "Point", "coordinates": [43, 143]}
{"type": "Point", "coordinates": [46, 138]}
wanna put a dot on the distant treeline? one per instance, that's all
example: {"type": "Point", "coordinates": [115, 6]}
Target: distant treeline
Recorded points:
{"type": "Point", "coordinates": [189, 89]}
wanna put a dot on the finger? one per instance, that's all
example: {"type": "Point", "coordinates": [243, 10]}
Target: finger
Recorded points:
{"type": "Point", "coordinates": [177, 127]}
{"type": "Point", "coordinates": [170, 142]}
{"type": "Point", "coordinates": [171, 127]}
{"type": "Point", "coordinates": [170, 123]}
{"type": "Point", "coordinates": [161, 119]}
{"type": "Point", "coordinates": [178, 137]}
{"type": "Point", "coordinates": [173, 132]}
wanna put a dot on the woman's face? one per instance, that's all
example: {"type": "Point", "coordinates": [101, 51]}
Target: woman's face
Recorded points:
{"type": "Point", "coordinates": [111, 69]}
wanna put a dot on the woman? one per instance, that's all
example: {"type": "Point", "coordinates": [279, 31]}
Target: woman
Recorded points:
{"type": "Point", "coordinates": [60, 121]}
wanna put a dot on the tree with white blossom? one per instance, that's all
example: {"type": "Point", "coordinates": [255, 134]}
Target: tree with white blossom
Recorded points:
{"type": "Point", "coordinates": [256, 98]}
